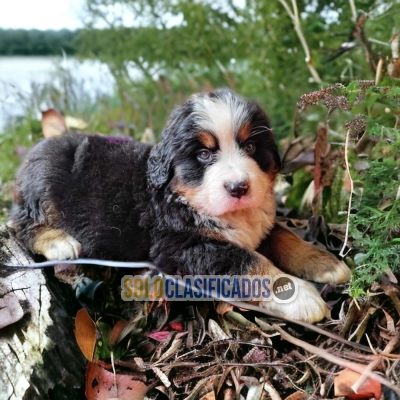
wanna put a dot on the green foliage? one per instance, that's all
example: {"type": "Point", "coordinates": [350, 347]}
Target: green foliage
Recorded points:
{"type": "Point", "coordinates": [13, 143]}
{"type": "Point", "coordinates": [178, 47]}
{"type": "Point", "coordinates": [375, 224]}
{"type": "Point", "coordinates": [301, 181]}
{"type": "Point", "coordinates": [375, 168]}
{"type": "Point", "coordinates": [334, 197]}
{"type": "Point", "coordinates": [373, 120]}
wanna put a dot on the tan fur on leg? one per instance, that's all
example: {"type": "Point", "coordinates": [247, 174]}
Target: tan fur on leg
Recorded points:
{"type": "Point", "coordinates": [305, 260]}
{"type": "Point", "coordinates": [56, 244]}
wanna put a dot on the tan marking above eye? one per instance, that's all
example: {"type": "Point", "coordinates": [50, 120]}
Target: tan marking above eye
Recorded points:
{"type": "Point", "coordinates": [208, 140]}
{"type": "Point", "coordinates": [244, 133]}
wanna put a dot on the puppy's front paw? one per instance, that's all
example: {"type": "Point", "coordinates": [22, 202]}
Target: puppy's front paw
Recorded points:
{"type": "Point", "coordinates": [55, 244]}
{"type": "Point", "coordinates": [308, 306]}
{"type": "Point", "coordinates": [326, 268]}
{"type": "Point", "coordinates": [66, 248]}
{"type": "Point", "coordinates": [335, 271]}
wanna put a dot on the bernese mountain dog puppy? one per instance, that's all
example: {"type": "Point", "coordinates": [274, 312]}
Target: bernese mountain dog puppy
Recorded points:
{"type": "Point", "coordinates": [199, 202]}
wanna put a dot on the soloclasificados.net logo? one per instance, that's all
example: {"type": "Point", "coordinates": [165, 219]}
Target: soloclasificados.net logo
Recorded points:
{"type": "Point", "coordinates": [281, 288]}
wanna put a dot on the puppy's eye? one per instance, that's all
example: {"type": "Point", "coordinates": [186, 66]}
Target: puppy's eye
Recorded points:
{"type": "Point", "coordinates": [249, 148]}
{"type": "Point", "coordinates": [204, 155]}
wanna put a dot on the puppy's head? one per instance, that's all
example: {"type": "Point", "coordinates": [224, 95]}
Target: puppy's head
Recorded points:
{"type": "Point", "coordinates": [218, 152]}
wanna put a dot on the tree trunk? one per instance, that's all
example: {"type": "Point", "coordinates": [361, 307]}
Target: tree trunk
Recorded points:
{"type": "Point", "coordinates": [39, 355]}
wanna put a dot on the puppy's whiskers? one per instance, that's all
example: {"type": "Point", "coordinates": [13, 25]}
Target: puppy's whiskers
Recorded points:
{"type": "Point", "coordinates": [259, 130]}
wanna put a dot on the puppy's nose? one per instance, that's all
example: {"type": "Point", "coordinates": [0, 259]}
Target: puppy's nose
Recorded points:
{"type": "Point", "coordinates": [237, 189]}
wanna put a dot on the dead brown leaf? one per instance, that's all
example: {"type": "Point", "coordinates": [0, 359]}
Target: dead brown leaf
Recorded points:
{"type": "Point", "coordinates": [53, 123]}
{"type": "Point", "coordinates": [347, 378]}
{"type": "Point", "coordinates": [223, 308]}
{"type": "Point", "coordinates": [116, 332]}
{"type": "Point", "coordinates": [85, 333]}
{"type": "Point", "coordinates": [321, 150]}
{"type": "Point", "coordinates": [103, 385]}
{"type": "Point", "coordinates": [298, 396]}
{"type": "Point", "coordinates": [209, 396]}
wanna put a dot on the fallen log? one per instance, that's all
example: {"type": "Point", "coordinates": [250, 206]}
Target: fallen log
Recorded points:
{"type": "Point", "coordinates": [40, 357]}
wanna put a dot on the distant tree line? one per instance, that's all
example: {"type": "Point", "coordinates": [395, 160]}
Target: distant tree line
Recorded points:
{"type": "Point", "coordinates": [34, 42]}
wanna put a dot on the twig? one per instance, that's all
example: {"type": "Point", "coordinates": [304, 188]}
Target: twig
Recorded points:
{"type": "Point", "coordinates": [359, 34]}
{"type": "Point", "coordinates": [379, 70]}
{"type": "Point", "coordinates": [394, 45]}
{"type": "Point", "coordinates": [336, 360]}
{"type": "Point", "coordinates": [395, 300]}
{"type": "Point", "coordinates": [346, 160]}
{"type": "Point", "coordinates": [388, 349]}
{"type": "Point", "coordinates": [295, 17]}
{"type": "Point", "coordinates": [235, 382]}
{"type": "Point", "coordinates": [311, 365]}
{"type": "Point", "coordinates": [271, 391]}
{"type": "Point", "coordinates": [352, 355]}
{"type": "Point", "coordinates": [253, 307]}
{"type": "Point", "coordinates": [114, 373]}
{"type": "Point", "coordinates": [356, 386]}
{"type": "Point", "coordinates": [370, 344]}
{"type": "Point", "coordinates": [372, 40]}
{"type": "Point", "coordinates": [353, 10]}
{"type": "Point", "coordinates": [356, 303]}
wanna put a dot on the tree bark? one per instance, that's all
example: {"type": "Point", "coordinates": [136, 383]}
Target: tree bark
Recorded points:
{"type": "Point", "coordinates": [40, 357]}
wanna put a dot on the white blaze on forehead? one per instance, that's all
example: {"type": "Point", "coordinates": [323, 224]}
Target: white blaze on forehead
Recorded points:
{"type": "Point", "coordinates": [222, 116]}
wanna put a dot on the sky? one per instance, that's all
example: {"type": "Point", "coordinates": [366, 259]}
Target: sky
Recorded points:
{"type": "Point", "coordinates": [40, 14]}
{"type": "Point", "coordinates": [56, 14]}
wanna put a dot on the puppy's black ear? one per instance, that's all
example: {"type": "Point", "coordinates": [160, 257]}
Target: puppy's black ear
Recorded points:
{"type": "Point", "coordinates": [160, 163]}
{"type": "Point", "coordinates": [262, 120]}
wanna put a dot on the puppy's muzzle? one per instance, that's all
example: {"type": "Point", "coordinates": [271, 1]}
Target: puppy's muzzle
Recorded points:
{"type": "Point", "coordinates": [237, 189]}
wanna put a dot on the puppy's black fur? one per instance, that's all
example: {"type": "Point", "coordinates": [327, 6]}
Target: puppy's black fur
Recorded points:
{"type": "Point", "coordinates": [89, 187]}
{"type": "Point", "coordinates": [131, 201]}
{"type": "Point", "coordinates": [115, 198]}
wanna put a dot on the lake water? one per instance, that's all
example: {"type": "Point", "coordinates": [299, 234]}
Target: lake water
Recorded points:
{"type": "Point", "coordinates": [20, 77]}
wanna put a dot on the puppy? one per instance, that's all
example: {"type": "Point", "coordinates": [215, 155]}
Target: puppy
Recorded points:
{"type": "Point", "coordinates": [199, 202]}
